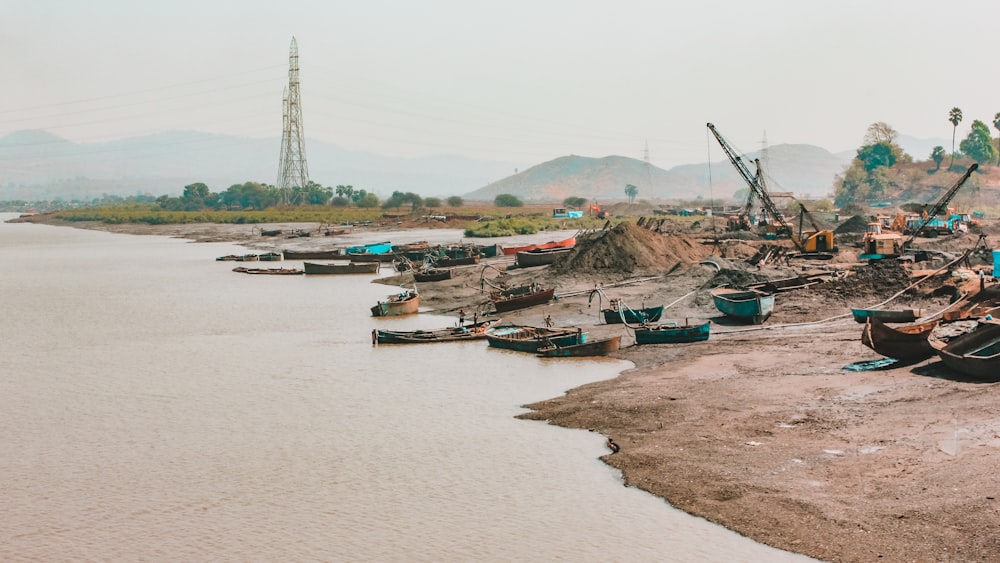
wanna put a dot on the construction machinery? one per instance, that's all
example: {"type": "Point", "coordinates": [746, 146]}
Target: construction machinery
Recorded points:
{"type": "Point", "coordinates": [930, 224]}
{"type": "Point", "coordinates": [880, 243]}
{"type": "Point", "coordinates": [817, 244]}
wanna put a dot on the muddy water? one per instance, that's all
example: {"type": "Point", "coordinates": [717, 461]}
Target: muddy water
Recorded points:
{"type": "Point", "coordinates": [157, 406]}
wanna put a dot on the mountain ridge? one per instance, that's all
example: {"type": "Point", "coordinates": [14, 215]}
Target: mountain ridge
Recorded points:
{"type": "Point", "coordinates": [38, 165]}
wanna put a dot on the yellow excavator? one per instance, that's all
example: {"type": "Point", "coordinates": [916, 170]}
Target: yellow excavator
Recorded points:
{"type": "Point", "coordinates": [817, 243]}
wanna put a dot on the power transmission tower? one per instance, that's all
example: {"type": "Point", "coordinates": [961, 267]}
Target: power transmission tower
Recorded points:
{"type": "Point", "coordinates": [293, 171]}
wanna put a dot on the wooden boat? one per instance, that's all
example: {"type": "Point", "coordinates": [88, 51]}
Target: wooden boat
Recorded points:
{"type": "Point", "coordinates": [530, 338]}
{"type": "Point", "coordinates": [632, 316]}
{"type": "Point", "coordinates": [270, 257]}
{"type": "Point", "coordinates": [348, 268]}
{"type": "Point", "coordinates": [432, 275]}
{"type": "Point", "coordinates": [749, 305]}
{"type": "Point", "coordinates": [405, 303]}
{"type": "Point", "coordinates": [314, 254]}
{"type": "Point", "coordinates": [270, 233]}
{"type": "Point", "coordinates": [886, 315]}
{"type": "Point", "coordinates": [371, 248]}
{"type": "Point", "coordinates": [975, 354]}
{"type": "Point", "coordinates": [385, 257]}
{"type": "Point", "coordinates": [513, 250]}
{"type": "Point", "coordinates": [472, 331]}
{"type": "Point", "coordinates": [269, 271]}
{"type": "Point", "coordinates": [589, 348]}
{"type": "Point", "coordinates": [521, 297]}
{"type": "Point", "coordinates": [673, 333]}
{"type": "Point", "coordinates": [238, 258]}
{"type": "Point", "coordinates": [539, 256]}
{"type": "Point", "coordinates": [904, 343]}
{"type": "Point", "coordinates": [447, 262]}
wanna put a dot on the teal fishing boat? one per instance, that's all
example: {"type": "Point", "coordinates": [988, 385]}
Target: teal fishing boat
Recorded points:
{"type": "Point", "coordinates": [672, 332]}
{"type": "Point", "coordinates": [750, 306]}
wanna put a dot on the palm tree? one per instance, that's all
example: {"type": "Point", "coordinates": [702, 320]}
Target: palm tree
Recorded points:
{"type": "Point", "coordinates": [630, 192]}
{"type": "Point", "coordinates": [996, 123]}
{"type": "Point", "coordinates": [955, 117]}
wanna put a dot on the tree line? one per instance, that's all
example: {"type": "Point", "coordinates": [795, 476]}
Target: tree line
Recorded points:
{"type": "Point", "coordinates": [881, 167]}
{"type": "Point", "coordinates": [254, 195]}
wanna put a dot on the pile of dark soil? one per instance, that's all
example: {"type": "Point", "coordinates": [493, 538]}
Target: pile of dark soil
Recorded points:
{"type": "Point", "coordinates": [628, 250]}
{"type": "Point", "coordinates": [877, 280]}
{"type": "Point", "coordinates": [736, 278]}
{"type": "Point", "coordinates": [856, 224]}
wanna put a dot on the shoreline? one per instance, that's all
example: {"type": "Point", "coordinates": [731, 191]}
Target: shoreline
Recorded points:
{"type": "Point", "coordinates": [763, 431]}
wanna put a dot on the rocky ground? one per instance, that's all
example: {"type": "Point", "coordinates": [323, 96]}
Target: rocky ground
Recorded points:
{"type": "Point", "coordinates": [761, 428]}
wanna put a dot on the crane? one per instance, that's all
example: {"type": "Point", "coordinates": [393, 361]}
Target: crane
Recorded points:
{"type": "Point", "coordinates": [756, 184]}
{"type": "Point", "coordinates": [941, 205]}
{"type": "Point", "coordinates": [819, 240]}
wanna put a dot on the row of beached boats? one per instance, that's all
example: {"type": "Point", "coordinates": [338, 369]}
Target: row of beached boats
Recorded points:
{"type": "Point", "coordinates": [966, 336]}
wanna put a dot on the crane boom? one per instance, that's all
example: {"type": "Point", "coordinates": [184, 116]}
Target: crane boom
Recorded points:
{"type": "Point", "coordinates": [942, 204]}
{"type": "Point", "coordinates": [755, 182]}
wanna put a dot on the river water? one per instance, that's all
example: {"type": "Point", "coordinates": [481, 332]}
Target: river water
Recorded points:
{"type": "Point", "coordinates": [157, 406]}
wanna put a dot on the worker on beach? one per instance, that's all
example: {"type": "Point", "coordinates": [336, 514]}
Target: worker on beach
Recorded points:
{"type": "Point", "coordinates": [461, 317]}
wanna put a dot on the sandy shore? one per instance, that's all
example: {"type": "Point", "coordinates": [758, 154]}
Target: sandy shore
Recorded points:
{"type": "Point", "coordinates": [762, 430]}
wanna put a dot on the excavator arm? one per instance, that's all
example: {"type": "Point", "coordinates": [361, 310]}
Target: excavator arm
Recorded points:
{"type": "Point", "coordinates": [941, 205]}
{"type": "Point", "coordinates": [754, 181]}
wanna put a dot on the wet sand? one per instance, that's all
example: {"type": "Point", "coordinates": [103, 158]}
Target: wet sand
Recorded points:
{"type": "Point", "coordinates": [761, 429]}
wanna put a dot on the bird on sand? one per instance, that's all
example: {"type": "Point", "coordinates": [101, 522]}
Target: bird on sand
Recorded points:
{"type": "Point", "coordinates": [612, 446]}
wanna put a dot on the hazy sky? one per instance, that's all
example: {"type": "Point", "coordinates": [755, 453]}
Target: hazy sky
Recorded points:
{"type": "Point", "coordinates": [513, 80]}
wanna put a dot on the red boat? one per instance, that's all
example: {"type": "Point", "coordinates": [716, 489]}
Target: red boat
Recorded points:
{"type": "Point", "coordinates": [568, 243]}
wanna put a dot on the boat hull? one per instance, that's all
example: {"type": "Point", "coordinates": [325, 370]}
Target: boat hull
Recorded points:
{"type": "Point", "coordinates": [748, 306]}
{"type": "Point", "coordinates": [314, 255]}
{"type": "Point", "coordinates": [530, 258]}
{"type": "Point", "coordinates": [531, 339]}
{"type": "Point", "coordinates": [633, 316]}
{"type": "Point", "coordinates": [907, 343]}
{"type": "Point", "coordinates": [395, 306]}
{"type": "Point", "coordinates": [432, 275]}
{"type": "Point", "coordinates": [513, 302]}
{"type": "Point", "coordinates": [591, 348]}
{"type": "Point", "coordinates": [476, 331]}
{"type": "Point", "coordinates": [313, 268]}
{"type": "Point", "coordinates": [976, 354]}
{"type": "Point", "coordinates": [673, 333]}
{"type": "Point", "coordinates": [887, 316]}
{"type": "Point", "coordinates": [567, 243]}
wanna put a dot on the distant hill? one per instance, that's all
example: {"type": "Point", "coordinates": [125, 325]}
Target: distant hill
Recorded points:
{"type": "Point", "coordinates": [36, 165]}
{"type": "Point", "coordinates": [806, 170]}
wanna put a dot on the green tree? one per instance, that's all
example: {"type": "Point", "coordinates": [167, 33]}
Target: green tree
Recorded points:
{"type": "Point", "coordinates": [630, 192]}
{"type": "Point", "coordinates": [996, 123]}
{"type": "Point", "coordinates": [369, 201]}
{"type": "Point", "coordinates": [432, 202]}
{"type": "Point", "coordinates": [455, 201]}
{"type": "Point", "coordinates": [344, 191]}
{"type": "Point", "coordinates": [876, 156]}
{"type": "Point", "coordinates": [979, 144]}
{"type": "Point", "coordinates": [955, 117]}
{"type": "Point", "coordinates": [575, 202]}
{"type": "Point", "coordinates": [937, 155]}
{"type": "Point", "coordinates": [507, 200]}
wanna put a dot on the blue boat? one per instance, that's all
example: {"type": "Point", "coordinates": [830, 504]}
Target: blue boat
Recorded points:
{"type": "Point", "coordinates": [372, 248]}
{"type": "Point", "coordinates": [531, 339]}
{"type": "Point", "coordinates": [671, 332]}
{"type": "Point", "coordinates": [752, 306]}
{"type": "Point", "coordinates": [632, 316]}
{"type": "Point", "coordinates": [887, 315]}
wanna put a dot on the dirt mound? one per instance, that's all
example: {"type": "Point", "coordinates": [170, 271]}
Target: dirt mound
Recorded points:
{"type": "Point", "coordinates": [628, 249]}
{"type": "Point", "coordinates": [856, 224]}
{"type": "Point", "coordinates": [736, 278]}
{"type": "Point", "coordinates": [877, 280]}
